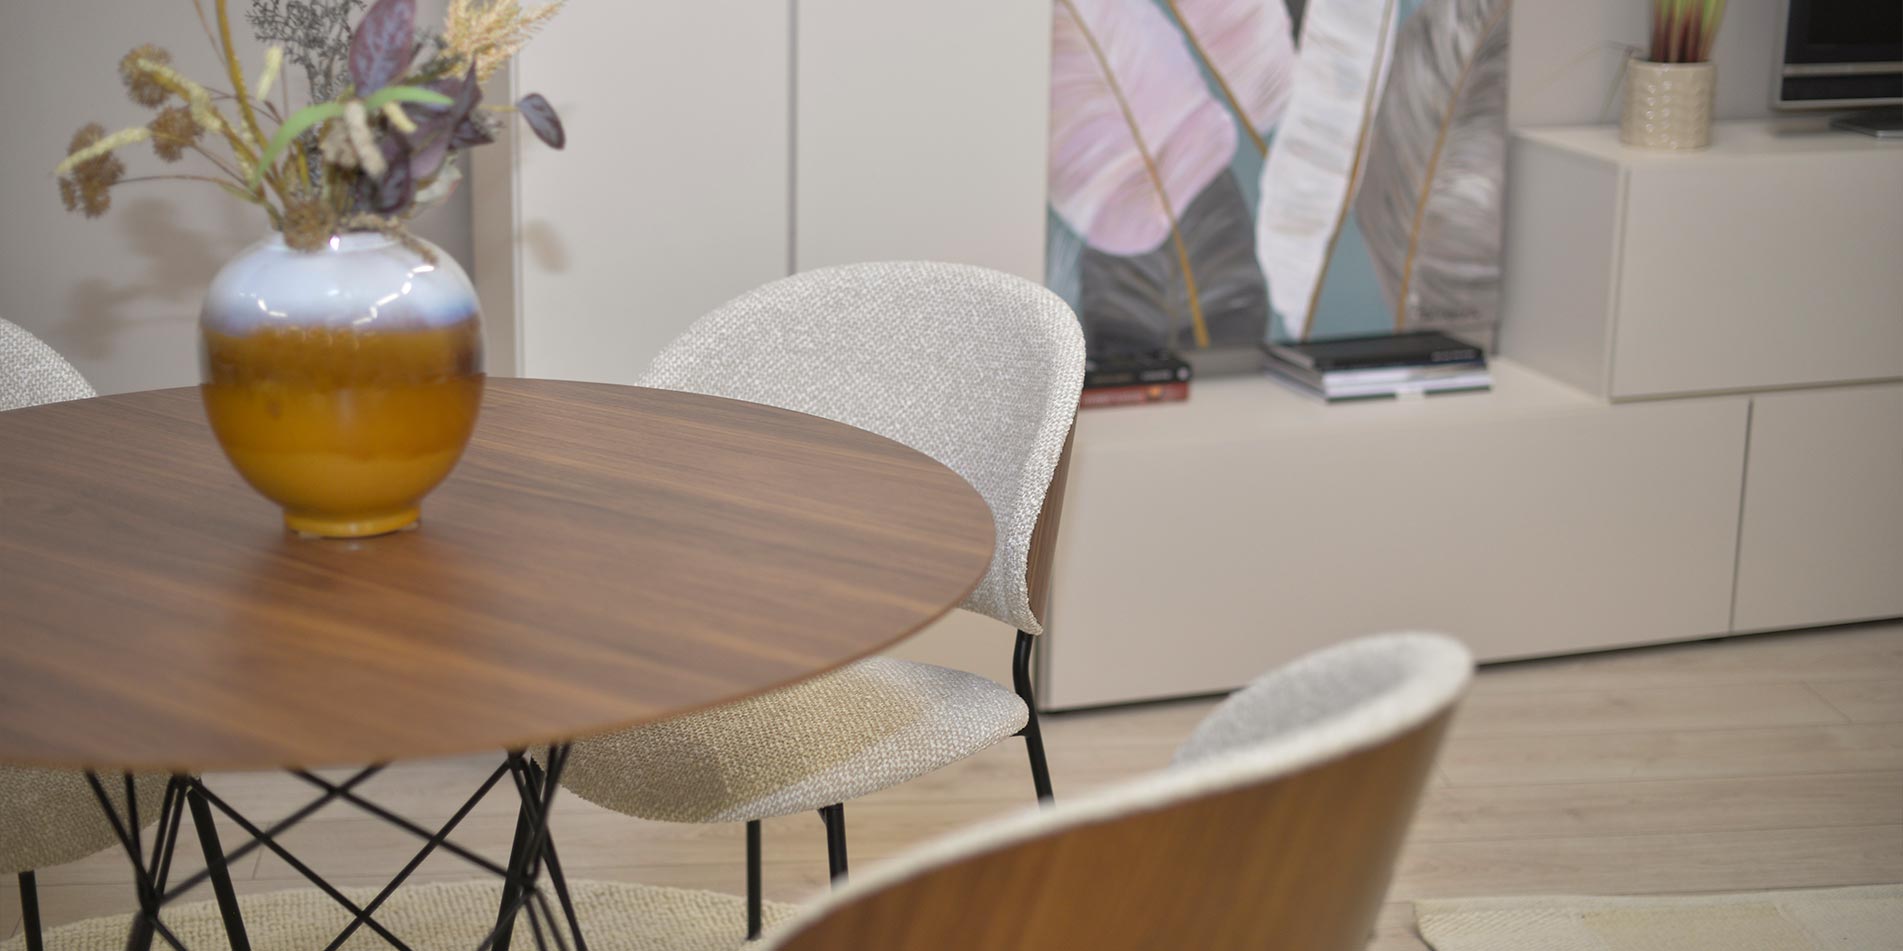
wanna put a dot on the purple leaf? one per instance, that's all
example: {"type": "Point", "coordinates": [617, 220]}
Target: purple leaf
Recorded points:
{"type": "Point", "coordinates": [437, 127]}
{"type": "Point", "coordinates": [380, 46]}
{"type": "Point", "coordinates": [397, 189]}
{"type": "Point", "coordinates": [542, 119]}
{"type": "Point", "coordinates": [392, 193]}
{"type": "Point", "coordinates": [472, 132]}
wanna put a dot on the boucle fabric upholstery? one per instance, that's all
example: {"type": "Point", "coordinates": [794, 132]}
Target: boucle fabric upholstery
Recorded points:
{"type": "Point", "coordinates": [977, 369]}
{"type": "Point", "coordinates": [1357, 679]}
{"type": "Point", "coordinates": [1323, 706]}
{"type": "Point", "coordinates": [862, 728]}
{"type": "Point", "coordinates": [51, 817]}
{"type": "Point", "coordinates": [31, 373]}
{"type": "Point", "coordinates": [446, 916]}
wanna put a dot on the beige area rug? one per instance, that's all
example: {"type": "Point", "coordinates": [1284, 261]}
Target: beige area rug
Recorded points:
{"type": "Point", "coordinates": [1864, 918]}
{"type": "Point", "coordinates": [446, 916]}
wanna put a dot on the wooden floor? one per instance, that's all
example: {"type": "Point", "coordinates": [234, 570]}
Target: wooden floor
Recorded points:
{"type": "Point", "coordinates": [1773, 761]}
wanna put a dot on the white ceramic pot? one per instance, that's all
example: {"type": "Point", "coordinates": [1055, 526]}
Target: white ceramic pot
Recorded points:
{"type": "Point", "coordinates": [1667, 105]}
{"type": "Point", "coordinates": [343, 383]}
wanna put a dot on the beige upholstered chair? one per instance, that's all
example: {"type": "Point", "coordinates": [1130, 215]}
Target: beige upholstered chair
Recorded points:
{"type": "Point", "coordinates": [977, 369]}
{"type": "Point", "coordinates": [31, 373]}
{"type": "Point", "coordinates": [1276, 826]}
{"type": "Point", "coordinates": [50, 817]}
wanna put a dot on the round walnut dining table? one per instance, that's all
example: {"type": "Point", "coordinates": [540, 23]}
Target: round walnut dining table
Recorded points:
{"type": "Point", "coordinates": [603, 556]}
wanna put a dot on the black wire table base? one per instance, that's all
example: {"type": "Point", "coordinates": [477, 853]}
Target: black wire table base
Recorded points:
{"type": "Point", "coordinates": [522, 894]}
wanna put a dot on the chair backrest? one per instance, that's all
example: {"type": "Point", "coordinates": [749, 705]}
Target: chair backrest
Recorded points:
{"type": "Point", "coordinates": [1277, 826]}
{"type": "Point", "coordinates": [31, 373]}
{"type": "Point", "coordinates": [978, 369]}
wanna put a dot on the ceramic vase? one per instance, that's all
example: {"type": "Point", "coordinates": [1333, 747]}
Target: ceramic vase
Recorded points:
{"type": "Point", "coordinates": [343, 383]}
{"type": "Point", "coordinates": [1667, 105]}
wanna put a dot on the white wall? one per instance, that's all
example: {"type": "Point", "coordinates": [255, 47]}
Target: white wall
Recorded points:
{"type": "Point", "coordinates": [119, 295]}
{"type": "Point", "coordinates": [1565, 57]}
{"type": "Point", "coordinates": [672, 194]}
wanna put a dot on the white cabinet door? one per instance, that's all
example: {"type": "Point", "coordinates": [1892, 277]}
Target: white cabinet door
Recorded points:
{"type": "Point", "coordinates": [1250, 525]}
{"type": "Point", "coordinates": [671, 196]}
{"type": "Point", "coordinates": [921, 132]}
{"type": "Point", "coordinates": [1822, 540]}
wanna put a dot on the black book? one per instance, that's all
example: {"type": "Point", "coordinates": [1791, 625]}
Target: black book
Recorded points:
{"type": "Point", "coordinates": [1133, 369]}
{"type": "Point", "coordinates": [1421, 348]}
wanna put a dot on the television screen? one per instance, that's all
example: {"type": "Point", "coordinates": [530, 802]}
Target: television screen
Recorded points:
{"type": "Point", "coordinates": [1842, 53]}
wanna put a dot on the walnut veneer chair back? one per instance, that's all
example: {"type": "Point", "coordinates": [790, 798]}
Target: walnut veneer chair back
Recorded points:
{"type": "Point", "coordinates": [978, 369]}
{"type": "Point", "coordinates": [1277, 827]}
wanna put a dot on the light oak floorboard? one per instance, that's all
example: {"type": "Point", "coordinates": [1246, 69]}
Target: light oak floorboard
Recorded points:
{"type": "Point", "coordinates": [1771, 761]}
{"type": "Point", "coordinates": [1875, 701]}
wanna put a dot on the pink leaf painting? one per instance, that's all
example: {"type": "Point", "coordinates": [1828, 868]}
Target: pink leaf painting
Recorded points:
{"type": "Point", "coordinates": [1249, 47]}
{"type": "Point", "coordinates": [1135, 133]}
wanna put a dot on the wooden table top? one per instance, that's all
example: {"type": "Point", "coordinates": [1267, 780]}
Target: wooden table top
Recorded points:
{"type": "Point", "coordinates": [603, 556]}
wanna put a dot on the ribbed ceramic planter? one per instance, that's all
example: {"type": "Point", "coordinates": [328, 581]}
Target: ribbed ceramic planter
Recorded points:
{"type": "Point", "coordinates": [342, 383]}
{"type": "Point", "coordinates": [1667, 105]}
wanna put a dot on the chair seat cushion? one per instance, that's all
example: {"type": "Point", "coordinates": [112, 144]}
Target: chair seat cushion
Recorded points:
{"type": "Point", "coordinates": [867, 726]}
{"type": "Point", "coordinates": [51, 817]}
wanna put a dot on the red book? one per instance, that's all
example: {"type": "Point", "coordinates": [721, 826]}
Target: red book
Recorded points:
{"type": "Point", "coordinates": [1135, 394]}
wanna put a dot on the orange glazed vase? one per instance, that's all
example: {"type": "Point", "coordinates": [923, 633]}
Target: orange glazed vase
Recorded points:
{"type": "Point", "coordinates": [342, 383]}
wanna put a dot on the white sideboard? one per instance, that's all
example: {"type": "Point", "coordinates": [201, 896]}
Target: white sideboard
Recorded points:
{"type": "Point", "coordinates": [1206, 541]}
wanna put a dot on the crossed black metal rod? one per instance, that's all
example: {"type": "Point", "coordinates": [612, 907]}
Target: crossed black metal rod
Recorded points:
{"type": "Point", "coordinates": [416, 829]}
{"type": "Point", "coordinates": [416, 860]}
{"type": "Point", "coordinates": [534, 787]}
{"type": "Point", "coordinates": [148, 917]}
{"type": "Point", "coordinates": [270, 842]}
{"type": "Point", "coordinates": [277, 828]}
{"type": "Point", "coordinates": [530, 849]}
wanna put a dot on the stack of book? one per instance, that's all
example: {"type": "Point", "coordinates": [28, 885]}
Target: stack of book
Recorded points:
{"type": "Point", "coordinates": [1352, 368]}
{"type": "Point", "coordinates": [1124, 379]}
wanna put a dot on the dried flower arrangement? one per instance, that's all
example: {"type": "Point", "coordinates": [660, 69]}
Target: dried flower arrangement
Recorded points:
{"type": "Point", "coordinates": [376, 145]}
{"type": "Point", "coordinates": [1683, 31]}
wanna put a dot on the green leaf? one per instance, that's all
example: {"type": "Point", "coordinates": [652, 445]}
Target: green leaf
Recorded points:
{"type": "Point", "coordinates": [240, 194]}
{"type": "Point", "coordinates": [417, 94]}
{"type": "Point", "coordinates": [293, 127]}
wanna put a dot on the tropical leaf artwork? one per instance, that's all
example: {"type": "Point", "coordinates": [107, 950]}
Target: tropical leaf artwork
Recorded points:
{"type": "Point", "coordinates": [1209, 173]}
{"type": "Point", "coordinates": [1135, 134]}
{"type": "Point", "coordinates": [1429, 205]}
{"type": "Point", "coordinates": [1137, 137]}
{"type": "Point", "coordinates": [1309, 178]}
{"type": "Point", "coordinates": [1248, 47]}
{"type": "Point", "coordinates": [1140, 303]}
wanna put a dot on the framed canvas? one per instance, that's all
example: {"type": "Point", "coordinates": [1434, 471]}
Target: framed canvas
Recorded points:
{"type": "Point", "coordinates": [1225, 172]}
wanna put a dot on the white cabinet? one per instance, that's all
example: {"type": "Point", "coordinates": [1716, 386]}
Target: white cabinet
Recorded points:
{"type": "Point", "coordinates": [1773, 259]}
{"type": "Point", "coordinates": [1822, 540]}
{"type": "Point", "coordinates": [1206, 541]}
{"type": "Point", "coordinates": [920, 133]}
{"type": "Point", "coordinates": [715, 146]}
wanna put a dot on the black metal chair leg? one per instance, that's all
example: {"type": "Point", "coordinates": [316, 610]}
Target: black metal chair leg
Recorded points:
{"type": "Point", "coordinates": [511, 887]}
{"type": "Point", "coordinates": [1033, 736]}
{"type": "Point", "coordinates": [1040, 770]}
{"type": "Point", "coordinates": [30, 911]}
{"type": "Point", "coordinates": [753, 880]}
{"type": "Point", "coordinates": [215, 867]}
{"type": "Point", "coordinates": [835, 818]}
